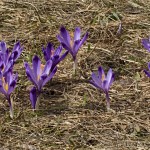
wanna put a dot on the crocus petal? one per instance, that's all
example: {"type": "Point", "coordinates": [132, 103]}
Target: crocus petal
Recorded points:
{"type": "Point", "coordinates": [47, 67]}
{"type": "Point", "coordinates": [8, 77]}
{"type": "Point", "coordinates": [3, 47]}
{"type": "Point", "coordinates": [8, 67]}
{"type": "Point", "coordinates": [11, 87]}
{"type": "Point", "coordinates": [6, 56]}
{"type": "Point", "coordinates": [146, 44]}
{"type": "Point", "coordinates": [83, 39]}
{"type": "Point", "coordinates": [67, 48]}
{"type": "Point", "coordinates": [14, 55]}
{"type": "Point", "coordinates": [55, 58]}
{"type": "Point", "coordinates": [29, 72]}
{"type": "Point", "coordinates": [105, 85]}
{"type": "Point", "coordinates": [112, 79]}
{"type": "Point", "coordinates": [50, 76]}
{"type": "Point", "coordinates": [58, 51]}
{"type": "Point", "coordinates": [76, 47]}
{"type": "Point", "coordinates": [55, 61]}
{"type": "Point", "coordinates": [13, 77]}
{"type": "Point", "coordinates": [70, 50]}
{"type": "Point", "coordinates": [109, 78]}
{"type": "Point", "coordinates": [65, 35]}
{"type": "Point", "coordinates": [60, 39]}
{"type": "Point", "coordinates": [96, 80]}
{"type": "Point", "coordinates": [47, 51]}
{"type": "Point", "coordinates": [31, 78]}
{"type": "Point", "coordinates": [1, 65]}
{"type": "Point", "coordinates": [36, 66]}
{"type": "Point", "coordinates": [27, 67]}
{"type": "Point", "coordinates": [147, 73]}
{"type": "Point", "coordinates": [77, 34]}
{"type": "Point", "coordinates": [149, 65]}
{"type": "Point", "coordinates": [63, 56]}
{"type": "Point", "coordinates": [49, 47]}
{"type": "Point", "coordinates": [33, 97]}
{"type": "Point", "coordinates": [1, 83]}
{"type": "Point", "coordinates": [17, 50]}
{"type": "Point", "coordinates": [94, 84]}
{"type": "Point", "coordinates": [101, 74]}
{"type": "Point", "coordinates": [40, 83]}
{"type": "Point", "coordinates": [46, 57]}
{"type": "Point", "coordinates": [17, 47]}
{"type": "Point", "coordinates": [17, 53]}
{"type": "Point", "coordinates": [1, 75]}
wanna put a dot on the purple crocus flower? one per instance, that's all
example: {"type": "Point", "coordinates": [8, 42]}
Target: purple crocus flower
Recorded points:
{"type": "Point", "coordinates": [16, 52]}
{"type": "Point", "coordinates": [54, 55]}
{"type": "Point", "coordinates": [6, 64]}
{"type": "Point", "coordinates": [7, 85]}
{"type": "Point", "coordinates": [103, 82]}
{"type": "Point", "coordinates": [146, 43]}
{"type": "Point", "coordinates": [7, 59]}
{"type": "Point", "coordinates": [148, 72]}
{"type": "Point", "coordinates": [5, 55]}
{"type": "Point", "coordinates": [72, 44]}
{"type": "Point", "coordinates": [5, 68]}
{"type": "Point", "coordinates": [39, 75]}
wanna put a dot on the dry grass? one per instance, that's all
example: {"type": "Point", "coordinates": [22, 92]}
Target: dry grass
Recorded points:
{"type": "Point", "coordinates": [72, 114]}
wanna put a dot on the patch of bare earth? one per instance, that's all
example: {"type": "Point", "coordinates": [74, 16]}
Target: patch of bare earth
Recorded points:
{"type": "Point", "coordinates": [72, 113]}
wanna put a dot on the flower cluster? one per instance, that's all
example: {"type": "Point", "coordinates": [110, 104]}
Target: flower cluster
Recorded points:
{"type": "Point", "coordinates": [8, 79]}
{"type": "Point", "coordinates": [40, 73]}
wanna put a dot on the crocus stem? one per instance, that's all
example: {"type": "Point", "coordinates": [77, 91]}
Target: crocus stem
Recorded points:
{"type": "Point", "coordinates": [11, 107]}
{"type": "Point", "coordinates": [38, 101]}
{"type": "Point", "coordinates": [75, 67]}
{"type": "Point", "coordinates": [107, 101]}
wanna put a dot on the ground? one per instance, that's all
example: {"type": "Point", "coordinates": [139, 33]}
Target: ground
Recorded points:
{"type": "Point", "coordinates": [72, 113]}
